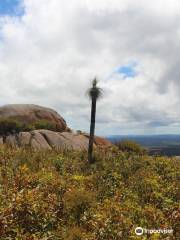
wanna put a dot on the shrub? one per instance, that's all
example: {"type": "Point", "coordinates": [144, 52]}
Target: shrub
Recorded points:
{"type": "Point", "coordinates": [131, 147]}
{"type": "Point", "coordinates": [9, 126]}
{"type": "Point", "coordinates": [62, 198]}
{"type": "Point", "coordinates": [45, 124]}
{"type": "Point", "coordinates": [12, 126]}
{"type": "Point", "coordinates": [76, 233]}
{"type": "Point", "coordinates": [40, 124]}
{"type": "Point", "coordinates": [77, 202]}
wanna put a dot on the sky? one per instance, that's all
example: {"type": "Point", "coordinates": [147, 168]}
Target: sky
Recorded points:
{"type": "Point", "coordinates": [51, 50]}
{"type": "Point", "coordinates": [11, 7]}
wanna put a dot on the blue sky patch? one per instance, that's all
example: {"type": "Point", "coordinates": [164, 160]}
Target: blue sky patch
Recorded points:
{"type": "Point", "coordinates": [128, 71]}
{"type": "Point", "coordinates": [10, 7]}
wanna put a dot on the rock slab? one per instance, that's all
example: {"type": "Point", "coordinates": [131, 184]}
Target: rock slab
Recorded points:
{"type": "Point", "coordinates": [48, 140]}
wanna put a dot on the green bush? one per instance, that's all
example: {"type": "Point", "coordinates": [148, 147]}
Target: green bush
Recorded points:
{"type": "Point", "coordinates": [131, 147]}
{"type": "Point", "coordinates": [40, 124]}
{"type": "Point", "coordinates": [44, 124]}
{"type": "Point", "coordinates": [9, 126]}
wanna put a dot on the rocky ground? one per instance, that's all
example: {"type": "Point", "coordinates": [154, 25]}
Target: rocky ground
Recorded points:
{"type": "Point", "coordinates": [47, 140]}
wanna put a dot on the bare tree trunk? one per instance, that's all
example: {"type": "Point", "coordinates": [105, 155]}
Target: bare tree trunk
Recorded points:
{"type": "Point", "coordinates": [92, 130]}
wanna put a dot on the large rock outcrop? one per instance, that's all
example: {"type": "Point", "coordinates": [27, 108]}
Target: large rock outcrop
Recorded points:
{"type": "Point", "coordinates": [43, 139]}
{"type": "Point", "coordinates": [48, 140]}
{"type": "Point", "coordinates": [29, 113]}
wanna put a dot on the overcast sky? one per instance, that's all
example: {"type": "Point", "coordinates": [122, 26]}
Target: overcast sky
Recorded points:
{"type": "Point", "coordinates": [50, 50]}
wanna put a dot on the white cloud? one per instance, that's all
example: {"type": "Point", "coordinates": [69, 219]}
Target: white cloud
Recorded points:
{"type": "Point", "coordinates": [50, 54]}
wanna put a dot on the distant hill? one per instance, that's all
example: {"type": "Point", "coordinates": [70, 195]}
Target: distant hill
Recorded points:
{"type": "Point", "coordinates": [157, 144]}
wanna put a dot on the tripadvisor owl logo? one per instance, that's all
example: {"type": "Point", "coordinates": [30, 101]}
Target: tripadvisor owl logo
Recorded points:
{"type": "Point", "coordinates": [139, 231]}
